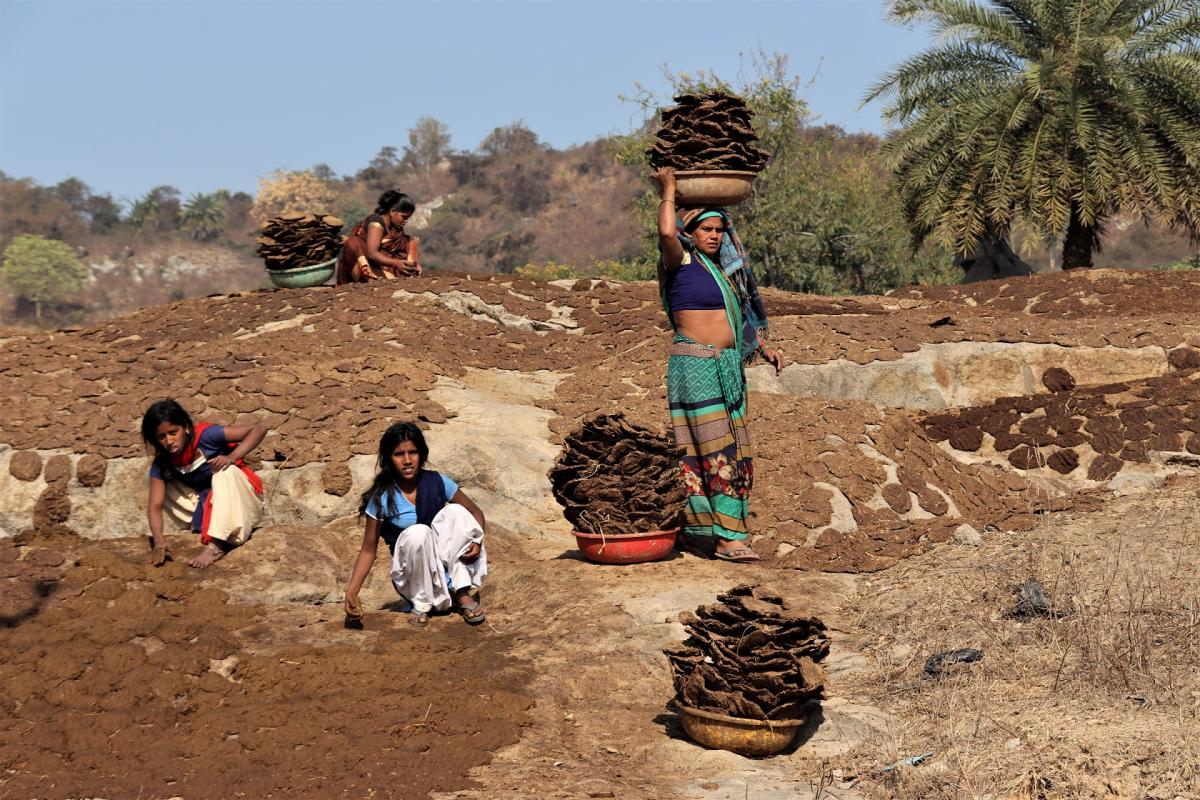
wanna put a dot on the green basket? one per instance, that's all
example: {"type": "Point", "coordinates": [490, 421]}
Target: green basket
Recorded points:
{"type": "Point", "coordinates": [303, 277]}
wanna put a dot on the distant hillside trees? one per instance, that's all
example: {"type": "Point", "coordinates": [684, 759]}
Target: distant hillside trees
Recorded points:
{"type": "Point", "coordinates": [516, 200]}
{"type": "Point", "coordinates": [42, 271]}
{"type": "Point", "coordinates": [204, 215]}
{"type": "Point", "coordinates": [1054, 115]}
{"type": "Point", "coordinates": [428, 144]}
{"type": "Point", "coordinates": [157, 211]}
{"type": "Point", "coordinates": [68, 210]}
{"type": "Point", "coordinates": [285, 192]}
{"type": "Point", "coordinates": [514, 169]}
{"type": "Point", "coordinates": [822, 217]}
{"type": "Point", "coordinates": [381, 172]}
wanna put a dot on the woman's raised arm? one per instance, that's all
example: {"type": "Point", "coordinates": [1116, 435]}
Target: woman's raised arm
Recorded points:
{"type": "Point", "coordinates": [672, 250]}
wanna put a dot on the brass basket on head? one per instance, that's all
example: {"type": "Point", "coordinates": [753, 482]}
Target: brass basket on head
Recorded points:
{"type": "Point", "coordinates": [712, 187]}
{"type": "Point", "coordinates": [747, 737]}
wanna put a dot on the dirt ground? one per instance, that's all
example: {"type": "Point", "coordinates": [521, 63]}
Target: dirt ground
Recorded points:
{"type": "Point", "coordinates": [900, 530]}
{"type": "Point", "coordinates": [125, 681]}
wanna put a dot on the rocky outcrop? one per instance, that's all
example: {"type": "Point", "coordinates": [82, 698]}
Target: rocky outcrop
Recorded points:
{"type": "Point", "coordinates": [951, 375]}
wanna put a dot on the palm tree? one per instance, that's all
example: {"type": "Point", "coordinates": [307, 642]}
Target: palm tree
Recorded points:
{"type": "Point", "coordinates": [204, 215]}
{"type": "Point", "coordinates": [1054, 113]}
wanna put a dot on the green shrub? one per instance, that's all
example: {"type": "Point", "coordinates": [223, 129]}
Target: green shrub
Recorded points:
{"type": "Point", "coordinates": [42, 271]}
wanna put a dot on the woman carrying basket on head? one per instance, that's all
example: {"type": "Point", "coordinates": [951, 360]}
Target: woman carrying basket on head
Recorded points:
{"type": "Point", "coordinates": [712, 302]}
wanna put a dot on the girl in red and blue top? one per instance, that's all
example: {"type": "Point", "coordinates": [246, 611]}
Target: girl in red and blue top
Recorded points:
{"type": "Point", "coordinates": [191, 478]}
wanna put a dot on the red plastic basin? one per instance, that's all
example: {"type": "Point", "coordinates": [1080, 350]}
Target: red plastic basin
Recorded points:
{"type": "Point", "coordinates": [626, 548]}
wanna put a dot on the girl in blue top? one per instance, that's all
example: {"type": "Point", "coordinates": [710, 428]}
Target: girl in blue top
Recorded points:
{"type": "Point", "coordinates": [435, 532]}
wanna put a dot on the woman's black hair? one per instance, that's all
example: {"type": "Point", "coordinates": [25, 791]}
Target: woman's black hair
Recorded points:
{"type": "Point", "coordinates": [395, 200]}
{"type": "Point", "coordinates": [165, 411]}
{"type": "Point", "coordinates": [386, 478]}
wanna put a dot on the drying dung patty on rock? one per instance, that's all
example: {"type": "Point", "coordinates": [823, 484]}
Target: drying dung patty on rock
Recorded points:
{"type": "Point", "coordinates": [1057, 379]}
{"type": "Point", "coordinates": [1099, 428]}
{"type": "Point", "coordinates": [707, 131]}
{"type": "Point", "coordinates": [617, 477]}
{"type": "Point", "coordinates": [751, 655]}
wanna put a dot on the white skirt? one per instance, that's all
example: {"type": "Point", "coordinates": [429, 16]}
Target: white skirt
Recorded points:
{"type": "Point", "coordinates": [236, 507]}
{"type": "Point", "coordinates": [426, 555]}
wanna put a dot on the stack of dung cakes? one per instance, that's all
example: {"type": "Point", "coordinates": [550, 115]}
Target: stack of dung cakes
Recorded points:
{"type": "Point", "coordinates": [709, 141]}
{"type": "Point", "coordinates": [615, 477]}
{"type": "Point", "coordinates": [707, 132]}
{"type": "Point", "coordinates": [299, 240]}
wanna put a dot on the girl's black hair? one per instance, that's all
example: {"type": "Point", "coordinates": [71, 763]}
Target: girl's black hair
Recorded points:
{"type": "Point", "coordinates": [386, 478]}
{"type": "Point", "coordinates": [395, 200]}
{"type": "Point", "coordinates": [165, 411]}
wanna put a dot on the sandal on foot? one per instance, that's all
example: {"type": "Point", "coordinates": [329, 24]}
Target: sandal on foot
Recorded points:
{"type": "Point", "coordinates": [738, 555]}
{"type": "Point", "coordinates": [472, 614]}
{"type": "Point", "coordinates": [418, 618]}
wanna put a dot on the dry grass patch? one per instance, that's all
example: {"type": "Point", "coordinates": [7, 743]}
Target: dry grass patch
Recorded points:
{"type": "Point", "coordinates": [1102, 700]}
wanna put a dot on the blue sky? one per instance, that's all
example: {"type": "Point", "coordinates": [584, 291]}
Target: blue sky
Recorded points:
{"type": "Point", "coordinates": [208, 95]}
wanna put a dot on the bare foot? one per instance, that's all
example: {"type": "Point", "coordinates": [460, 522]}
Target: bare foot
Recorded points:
{"type": "Point", "coordinates": [208, 555]}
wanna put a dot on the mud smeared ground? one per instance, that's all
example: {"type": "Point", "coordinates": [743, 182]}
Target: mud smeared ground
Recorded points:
{"type": "Point", "coordinates": [1088, 431]}
{"type": "Point", "coordinates": [123, 681]}
{"type": "Point", "coordinates": [850, 487]}
{"type": "Point", "coordinates": [1102, 293]}
{"type": "Point", "coordinates": [839, 485]}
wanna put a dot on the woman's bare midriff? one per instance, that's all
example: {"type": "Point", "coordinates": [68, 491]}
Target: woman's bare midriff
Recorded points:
{"type": "Point", "coordinates": [705, 327]}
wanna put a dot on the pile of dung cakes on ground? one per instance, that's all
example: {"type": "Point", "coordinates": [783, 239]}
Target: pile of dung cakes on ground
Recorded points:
{"type": "Point", "coordinates": [1074, 294]}
{"type": "Point", "coordinates": [847, 486]}
{"type": "Point", "coordinates": [326, 370]}
{"type": "Point", "coordinates": [616, 477]}
{"type": "Point", "coordinates": [707, 131]}
{"type": "Point", "coordinates": [751, 655]}
{"type": "Point", "coordinates": [299, 240]}
{"type": "Point", "coordinates": [1090, 431]}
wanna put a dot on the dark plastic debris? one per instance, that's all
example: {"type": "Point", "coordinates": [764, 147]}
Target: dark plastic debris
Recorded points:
{"type": "Point", "coordinates": [1033, 601]}
{"type": "Point", "coordinates": [939, 664]}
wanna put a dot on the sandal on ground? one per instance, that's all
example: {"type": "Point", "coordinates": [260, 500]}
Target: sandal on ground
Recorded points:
{"type": "Point", "coordinates": [418, 618]}
{"type": "Point", "coordinates": [472, 614]}
{"type": "Point", "coordinates": [738, 555]}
